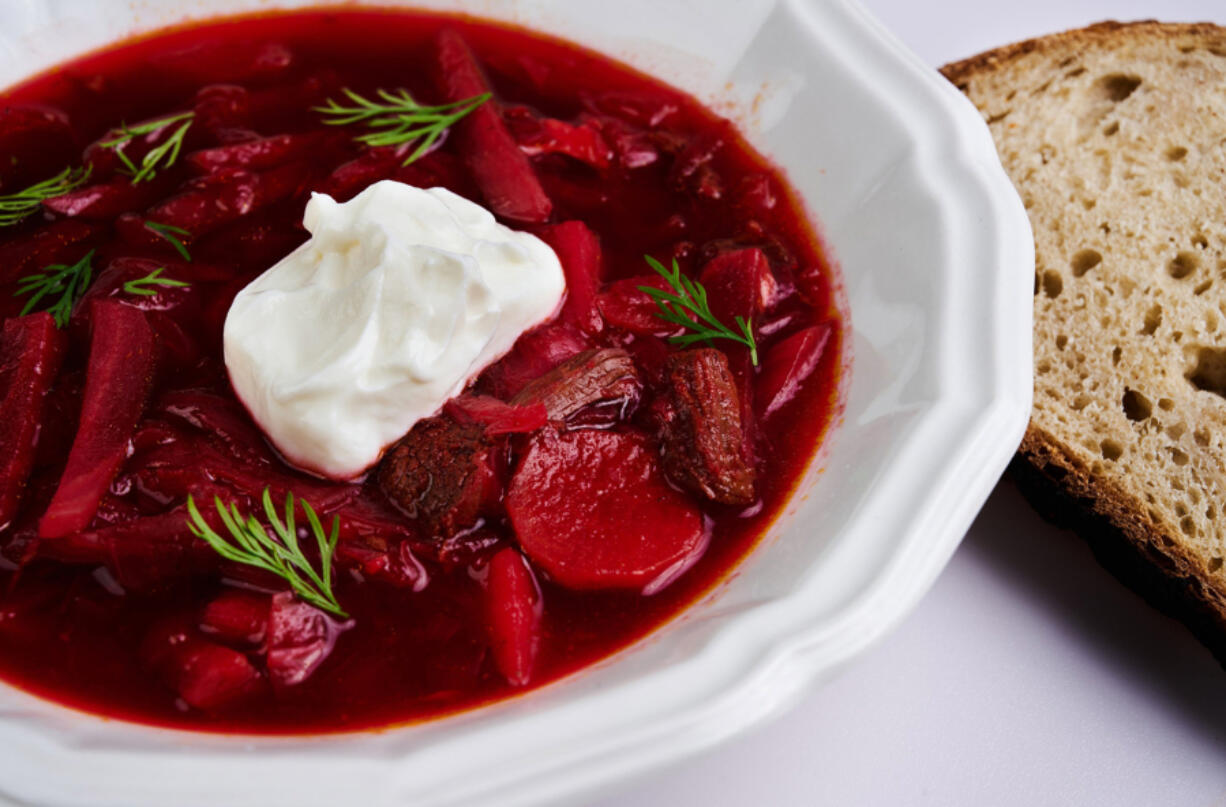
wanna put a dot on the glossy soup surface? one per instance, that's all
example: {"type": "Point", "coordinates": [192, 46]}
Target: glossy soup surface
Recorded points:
{"type": "Point", "coordinates": [671, 180]}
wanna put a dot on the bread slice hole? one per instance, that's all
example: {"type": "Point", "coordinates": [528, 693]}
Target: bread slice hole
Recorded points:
{"type": "Point", "coordinates": [1209, 372]}
{"type": "Point", "coordinates": [1116, 87]}
{"type": "Point", "coordinates": [1085, 260]}
{"type": "Point", "coordinates": [1203, 287]}
{"type": "Point", "coordinates": [1183, 264]}
{"type": "Point", "coordinates": [1116, 355]}
{"type": "Point", "coordinates": [1111, 450]}
{"type": "Point", "coordinates": [1053, 284]}
{"type": "Point", "coordinates": [1061, 342]}
{"type": "Point", "coordinates": [1166, 404]}
{"type": "Point", "coordinates": [1111, 129]}
{"type": "Point", "coordinates": [1178, 456]}
{"type": "Point", "coordinates": [1153, 318]}
{"type": "Point", "coordinates": [1200, 242]}
{"type": "Point", "coordinates": [1214, 563]}
{"type": "Point", "coordinates": [1136, 406]}
{"type": "Point", "coordinates": [1176, 153]}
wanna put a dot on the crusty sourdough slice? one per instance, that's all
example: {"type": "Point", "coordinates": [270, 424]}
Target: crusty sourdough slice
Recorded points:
{"type": "Point", "coordinates": [1115, 136]}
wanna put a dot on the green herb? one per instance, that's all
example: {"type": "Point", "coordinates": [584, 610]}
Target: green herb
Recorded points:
{"type": "Point", "coordinates": [279, 553]}
{"type": "Point", "coordinates": [690, 296]}
{"type": "Point", "coordinates": [69, 282]}
{"type": "Point", "coordinates": [165, 153]}
{"type": "Point", "coordinates": [398, 118]}
{"type": "Point", "coordinates": [169, 232]}
{"type": "Point", "coordinates": [141, 284]}
{"type": "Point", "coordinates": [16, 206]}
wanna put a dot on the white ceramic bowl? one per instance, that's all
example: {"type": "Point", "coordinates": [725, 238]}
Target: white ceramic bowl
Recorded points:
{"type": "Point", "coordinates": [936, 254]}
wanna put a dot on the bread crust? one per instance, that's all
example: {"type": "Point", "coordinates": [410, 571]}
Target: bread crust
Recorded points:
{"type": "Point", "coordinates": [1125, 538]}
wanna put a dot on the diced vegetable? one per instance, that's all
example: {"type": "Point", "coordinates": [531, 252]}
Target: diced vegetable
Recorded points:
{"type": "Point", "coordinates": [120, 374]}
{"type": "Point", "coordinates": [701, 434]}
{"type": "Point", "coordinates": [506, 178]}
{"type": "Point", "coordinates": [256, 155]}
{"type": "Point", "coordinates": [624, 306]}
{"type": "Point", "coordinates": [206, 675]}
{"type": "Point", "coordinates": [236, 616]}
{"type": "Point", "coordinates": [787, 364]}
{"type": "Point", "coordinates": [442, 473]}
{"type": "Point", "coordinates": [300, 638]}
{"type": "Point", "coordinates": [539, 135]}
{"type": "Point", "coordinates": [497, 417]}
{"type": "Point", "coordinates": [579, 252]}
{"type": "Point", "coordinates": [535, 353]}
{"type": "Point", "coordinates": [31, 351]}
{"type": "Point", "coordinates": [738, 284]}
{"type": "Point", "coordinates": [513, 612]}
{"type": "Point", "coordinates": [106, 200]}
{"type": "Point", "coordinates": [594, 376]}
{"type": "Point", "coordinates": [593, 511]}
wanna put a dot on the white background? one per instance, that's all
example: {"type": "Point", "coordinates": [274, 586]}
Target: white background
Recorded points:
{"type": "Point", "coordinates": [1028, 676]}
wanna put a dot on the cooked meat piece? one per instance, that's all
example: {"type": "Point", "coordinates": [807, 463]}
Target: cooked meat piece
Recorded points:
{"type": "Point", "coordinates": [442, 473]}
{"type": "Point", "coordinates": [594, 376]}
{"type": "Point", "coordinates": [701, 437]}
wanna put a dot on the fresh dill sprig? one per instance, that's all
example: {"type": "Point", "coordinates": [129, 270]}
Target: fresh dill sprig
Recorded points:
{"type": "Point", "coordinates": [278, 553]}
{"type": "Point", "coordinates": [689, 295]}
{"type": "Point", "coordinates": [169, 232]}
{"type": "Point", "coordinates": [397, 118]}
{"type": "Point", "coordinates": [141, 285]}
{"type": "Point", "coordinates": [69, 282]}
{"type": "Point", "coordinates": [16, 206]}
{"type": "Point", "coordinates": [161, 156]}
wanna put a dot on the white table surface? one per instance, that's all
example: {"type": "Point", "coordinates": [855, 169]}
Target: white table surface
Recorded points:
{"type": "Point", "coordinates": [1028, 676]}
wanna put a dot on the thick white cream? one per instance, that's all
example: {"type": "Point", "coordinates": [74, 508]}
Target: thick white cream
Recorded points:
{"type": "Point", "coordinates": [399, 299]}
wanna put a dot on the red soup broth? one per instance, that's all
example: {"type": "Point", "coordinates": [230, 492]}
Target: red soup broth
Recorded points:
{"type": "Point", "coordinates": [645, 167]}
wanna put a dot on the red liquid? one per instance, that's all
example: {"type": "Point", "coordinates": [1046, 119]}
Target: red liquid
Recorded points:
{"type": "Point", "coordinates": [411, 655]}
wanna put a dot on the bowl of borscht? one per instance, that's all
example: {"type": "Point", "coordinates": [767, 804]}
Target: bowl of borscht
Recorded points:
{"type": "Point", "coordinates": [473, 403]}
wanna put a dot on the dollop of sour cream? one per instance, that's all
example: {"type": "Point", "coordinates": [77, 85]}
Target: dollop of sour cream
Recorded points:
{"type": "Point", "coordinates": [401, 296]}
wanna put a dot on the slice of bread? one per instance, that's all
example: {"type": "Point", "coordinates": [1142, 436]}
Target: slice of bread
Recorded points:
{"type": "Point", "coordinates": [1115, 137]}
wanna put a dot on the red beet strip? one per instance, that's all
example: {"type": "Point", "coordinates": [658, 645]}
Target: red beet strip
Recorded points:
{"type": "Point", "coordinates": [31, 351]}
{"type": "Point", "coordinates": [500, 169]}
{"type": "Point", "coordinates": [513, 611]}
{"type": "Point", "coordinates": [117, 383]}
{"type": "Point", "coordinates": [579, 252]}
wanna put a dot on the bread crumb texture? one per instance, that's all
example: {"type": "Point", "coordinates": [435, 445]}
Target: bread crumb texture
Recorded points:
{"type": "Point", "coordinates": [1115, 136]}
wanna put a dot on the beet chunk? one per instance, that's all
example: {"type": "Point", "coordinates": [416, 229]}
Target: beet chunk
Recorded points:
{"type": "Point", "coordinates": [789, 363]}
{"type": "Point", "coordinates": [442, 473]}
{"type": "Point", "coordinates": [513, 616]}
{"type": "Point", "coordinates": [117, 383]}
{"type": "Point", "coordinates": [236, 616]}
{"type": "Point", "coordinates": [738, 284]}
{"type": "Point", "coordinates": [702, 439]}
{"type": "Point", "coordinates": [592, 509]}
{"type": "Point", "coordinates": [500, 169]}
{"type": "Point", "coordinates": [594, 376]}
{"type": "Point", "coordinates": [206, 675]}
{"type": "Point", "coordinates": [31, 351]}
{"type": "Point", "coordinates": [579, 252]}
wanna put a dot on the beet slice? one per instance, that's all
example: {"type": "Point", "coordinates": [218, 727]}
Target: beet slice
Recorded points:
{"type": "Point", "coordinates": [236, 616]}
{"type": "Point", "coordinates": [535, 353]}
{"type": "Point", "coordinates": [787, 364]}
{"type": "Point", "coordinates": [300, 638]}
{"type": "Point", "coordinates": [206, 675]}
{"type": "Point", "coordinates": [579, 252]}
{"type": "Point", "coordinates": [106, 200]}
{"type": "Point", "coordinates": [738, 284]}
{"type": "Point", "coordinates": [539, 135]}
{"type": "Point", "coordinates": [497, 417]}
{"type": "Point", "coordinates": [592, 510]}
{"type": "Point", "coordinates": [624, 306]}
{"type": "Point", "coordinates": [31, 351]}
{"type": "Point", "coordinates": [513, 611]}
{"type": "Point", "coordinates": [253, 155]}
{"type": "Point", "coordinates": [502, 172]}
{"type": "Point", "coordinates": [702, 439]}
{"type": "Point", "coordinates": [117, 383]}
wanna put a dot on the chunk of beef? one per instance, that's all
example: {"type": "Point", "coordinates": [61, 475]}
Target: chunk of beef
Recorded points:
{"type": "Point", "coordinates": [701, 432]}
{"type": "Point", "coordinates": [607, 375]}
{"type": "Point", "coordinates": [442, 473]}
